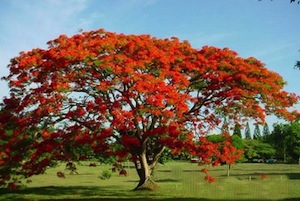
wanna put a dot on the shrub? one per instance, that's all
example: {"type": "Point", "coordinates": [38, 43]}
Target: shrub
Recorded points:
{"type": "Point", "coordinates": [106, 174]}
{"type": "Point", "coordinates": [60, 174]}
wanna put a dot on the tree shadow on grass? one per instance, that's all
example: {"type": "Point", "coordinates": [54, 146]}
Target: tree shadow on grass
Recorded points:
{"type": "Point", "coordinates": [59, 191]}
{"type": "Point", "coordinates": [167, 180]}
{"type": "Point", "coordinates": [51, 190]}
{"type": "Point", "coordinates": [291, 176]}
{"type": "Point", "coordinates": [94, 193]}
{"type": "Point", "coordinates": [157, 180]}
{"type": "Point", "coordinates": [164, 170]}
{"type": "Point", "coordinates": [171, 199]}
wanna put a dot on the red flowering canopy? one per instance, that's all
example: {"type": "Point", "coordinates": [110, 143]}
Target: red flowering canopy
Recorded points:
{"type": "Point", "coordinates": [99, 88]}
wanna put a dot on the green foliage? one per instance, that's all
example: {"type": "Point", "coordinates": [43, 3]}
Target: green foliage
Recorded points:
{"type": "Point", "coordinates": [257, 133]}
{"type": "Point", "coordinates": [79, 151]}
{"type": "Point", "coordinates": [106, 174]}
{"type": "Point", "coordinates": [237, 142]}
{"type": "Point", "coordinates": [297, 150]}
{"type": "Point", "coordinates": [106, 159]}
{"type": "Point", "coordinates": [215, 138]}
{"type": "Point", "coordinates": [165, 156]}
{"type": "Point", "coordinates": [266, 130]}
{"type": "Point", "coordinates": [199, 84]}
{"type": "Point", "coordinates": [286, 139]}
{"type": "Point", "coordinates": [237, 131]}
{"type": "Point", "coordinates": [184, 155]}
{"type": "Point", "coordinates": [255, 149]}
{"type": "Point", "coordinates": [247, 131]}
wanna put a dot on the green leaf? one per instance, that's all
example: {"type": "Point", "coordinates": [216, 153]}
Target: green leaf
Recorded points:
{"type": "Point", "coordinates": [97, 62]}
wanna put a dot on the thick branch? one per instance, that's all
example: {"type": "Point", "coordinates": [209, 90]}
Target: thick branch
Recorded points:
{"type": "Point", "coordinates": [156, 156]}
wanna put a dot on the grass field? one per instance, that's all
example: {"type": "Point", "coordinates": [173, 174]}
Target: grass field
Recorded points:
{"type": "Point", "coordinates": [177, 181]}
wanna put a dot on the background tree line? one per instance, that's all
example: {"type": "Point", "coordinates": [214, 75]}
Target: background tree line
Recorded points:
{"type": "Point", "coordinates": [283, 143]}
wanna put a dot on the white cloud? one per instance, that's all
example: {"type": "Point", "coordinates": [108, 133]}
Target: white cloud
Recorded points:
{"type": "Point", "coordinates": [29, 24]}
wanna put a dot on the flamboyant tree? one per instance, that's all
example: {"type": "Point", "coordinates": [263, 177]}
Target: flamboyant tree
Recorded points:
{"type": "Point", "coordinates": [100, 89]}
{"type": "Point", "coordinates": [229, 149]}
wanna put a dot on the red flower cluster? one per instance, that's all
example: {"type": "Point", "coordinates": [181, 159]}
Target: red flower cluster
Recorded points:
{"type": "Point", "coordinates": [264, 176]}
{"type": "Point", "coordinates": [208, 177]}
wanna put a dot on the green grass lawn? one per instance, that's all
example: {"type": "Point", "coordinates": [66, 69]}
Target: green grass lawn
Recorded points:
{"type": "Point", "coordinates": [177, 181]}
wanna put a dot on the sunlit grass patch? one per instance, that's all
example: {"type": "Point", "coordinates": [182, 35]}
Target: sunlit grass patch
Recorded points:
{"type": "Point", "coordinates": [177, 181]}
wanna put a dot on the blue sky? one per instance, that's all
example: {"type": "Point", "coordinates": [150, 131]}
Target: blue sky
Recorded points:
{"type": "Point", "coordinates": [268, 30]}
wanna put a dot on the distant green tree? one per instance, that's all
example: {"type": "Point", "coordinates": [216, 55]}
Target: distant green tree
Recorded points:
{"type": "Point", "coordinates": [266, 130]}
{"type": "Point", "coordinates": [237, 142]}
{"type": "Point", "coordinates": [277, 140]}
{"type": "Point", "coordinates": [247, 131]}
{"type": "Point", "coordinates": [216, 138]}
{"type": "Point", "coordinates": [166, 156]}
{"type": "Point", "coordinates": [292, 141]}
{"type": "Point", "coordinates": [237, 130]}
{"type": "Point", "coordinates": [257, 133]}
{"type": "Point", "coordinates": [297, 151]}
{"type": "Point", "coordinates": [256, 149]}
{"type": "Point", "coordinates": [286, 139]}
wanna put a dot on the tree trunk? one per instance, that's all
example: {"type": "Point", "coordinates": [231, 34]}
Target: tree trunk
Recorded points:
{"type": "Point", "coordinates": [228, 169]}
{"type": "Point", "coordinates": [144, 171]}
{"type": "Point", "coordinates": [284, 154]}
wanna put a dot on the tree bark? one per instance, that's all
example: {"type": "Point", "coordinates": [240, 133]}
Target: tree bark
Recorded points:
{"type": "Point", "coordinates": [284, 154]}
{"type": "Point", "coordinates": [145, 164]}
{"type": "Point", "coordinates": [228, 169]}
{"type": "Point", "coordinates": [144, 172]}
